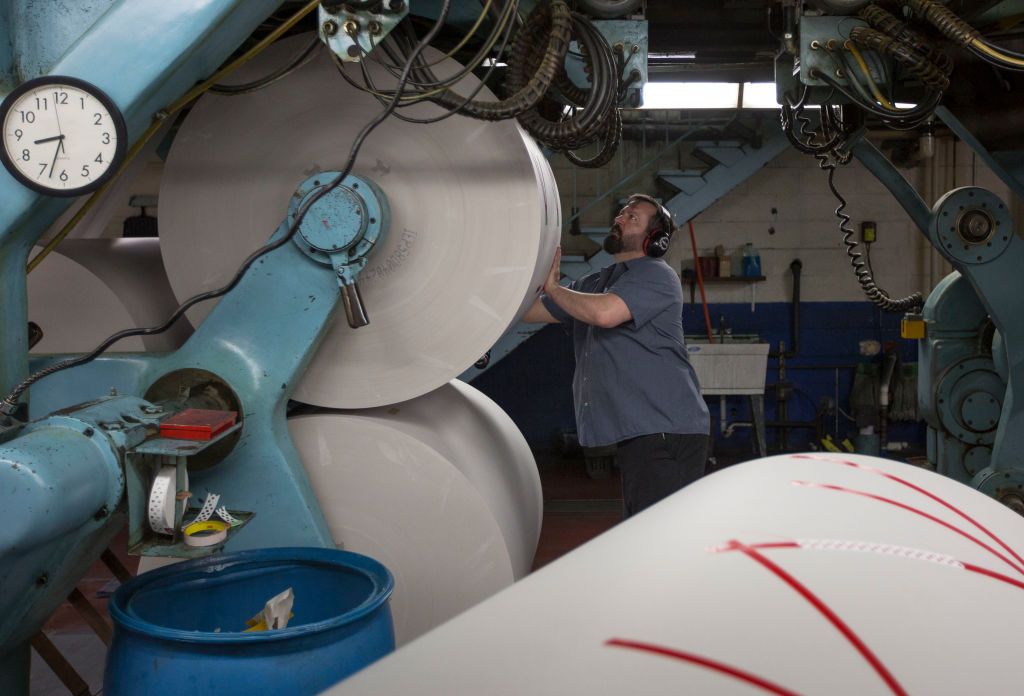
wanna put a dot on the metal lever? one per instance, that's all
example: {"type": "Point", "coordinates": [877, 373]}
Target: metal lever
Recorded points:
{"type": "Point", "coordinates": [354, 309]}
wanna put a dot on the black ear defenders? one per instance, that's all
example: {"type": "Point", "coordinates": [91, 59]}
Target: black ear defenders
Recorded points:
{"type": "Point", "coordinates": [661, 228]}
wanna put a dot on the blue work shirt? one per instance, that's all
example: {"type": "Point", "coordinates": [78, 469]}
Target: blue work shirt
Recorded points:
{"type": "Point", "coordinates": [635, 378]}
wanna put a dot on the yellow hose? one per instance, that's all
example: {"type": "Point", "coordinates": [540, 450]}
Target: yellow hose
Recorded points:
{"type": "Point", "coordinates": [857, 56]}
{"type": "Point", "coordinates": [998, 55]}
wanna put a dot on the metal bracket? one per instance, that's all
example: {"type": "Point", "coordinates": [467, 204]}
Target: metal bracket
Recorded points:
{"type": "Point", "coordinates": [352, 34]}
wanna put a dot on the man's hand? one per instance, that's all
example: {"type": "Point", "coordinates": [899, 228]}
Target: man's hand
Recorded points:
{"type": "Point", "coordinates": [555, 274]}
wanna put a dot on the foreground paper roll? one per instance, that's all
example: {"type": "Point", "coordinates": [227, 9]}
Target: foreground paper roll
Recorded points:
{"type": "Point", "coordinates": [816, 574]}
{"type": "Point", "coordinates": [389, 496]}
{"type": "Point", "coordinates": [474, 221]}
{"type": "Point", "coordinates": [472, 432]}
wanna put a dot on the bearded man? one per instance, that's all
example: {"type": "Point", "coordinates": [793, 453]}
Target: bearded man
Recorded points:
{"type": "Point", "coordinates": [633, 385]}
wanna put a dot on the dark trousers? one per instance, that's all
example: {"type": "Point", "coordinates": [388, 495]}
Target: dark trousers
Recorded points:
{"type": "Point", "coordinates": [656, 466]}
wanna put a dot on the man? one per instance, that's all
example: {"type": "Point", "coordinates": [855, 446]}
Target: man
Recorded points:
{"type": "Point", "coordinates": [633, 384]}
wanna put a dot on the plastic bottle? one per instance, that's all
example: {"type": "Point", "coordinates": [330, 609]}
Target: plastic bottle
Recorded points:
{"type": "Point", "coordinates": [751, 261]}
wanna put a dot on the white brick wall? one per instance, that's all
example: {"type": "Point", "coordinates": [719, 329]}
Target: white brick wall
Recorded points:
{"type": "Point", "coordinates": [803, 220]}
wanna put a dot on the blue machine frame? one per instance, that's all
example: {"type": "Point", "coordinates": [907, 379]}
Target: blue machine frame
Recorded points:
{"type": "Point", "coordinates": [171, 47]}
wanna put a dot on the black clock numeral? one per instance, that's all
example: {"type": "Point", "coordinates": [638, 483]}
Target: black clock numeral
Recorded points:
{"type": "Point", "coordinates": [82, 101]}
{"type": "Point", "coordinates": [42, 168]}
{"type": "Point", "coordinates": [42, 103]}
{"type": "Point", "coordinates": [26, 155]}
{"type": "Point", "coordinates": [18, 133]}
{"type": "Point", "coordinates": [99, 158]}
{"type": "Point", "coordinates": [60, 97]}
{"type": "Point", "coordinates": [63, 175]}
{"type": "Point", "coordinates": [106, 138]}
{"type": "Point", "coordinates": [99, 119]}
{"type": "Point", "coordinates": [27, 116]}
{"type": "Point", "coordinates": [85, 171]}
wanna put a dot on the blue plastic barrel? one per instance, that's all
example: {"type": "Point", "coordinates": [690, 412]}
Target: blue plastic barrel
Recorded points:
{"type": "Point", "coordinates": [179, 629]}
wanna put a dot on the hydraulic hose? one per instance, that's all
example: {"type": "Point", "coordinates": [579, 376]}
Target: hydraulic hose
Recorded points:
{"type": "Point", "coordinates": [890, 25]}
{"type": "Point", "coordinates": [555, 20]}
{"type": "Point", "coordinates": [922, 68]}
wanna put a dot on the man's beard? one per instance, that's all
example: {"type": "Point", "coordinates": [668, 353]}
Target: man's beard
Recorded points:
{"type": "Point", "coordinates": [613, 242]}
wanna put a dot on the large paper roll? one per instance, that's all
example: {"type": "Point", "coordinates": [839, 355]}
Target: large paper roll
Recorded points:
{"type": "Point", "coordinates": [88, 289]}
{"type": "Point", "coordinates": [474, 220]}
{"type": "Point", "coordinates": [389, 496]}
{"type": "Point", "coordinates": [75, 308]}
{"type": "Point", "coordinates": [133, 269]}
{"type": "Point", "coordinates": [480, 440]}
{"type": "Point", "coordinates": [811, 574]}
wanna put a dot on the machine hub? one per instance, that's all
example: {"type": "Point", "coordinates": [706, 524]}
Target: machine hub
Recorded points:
{"type": "Point", "coordinates": [975, 226]}
{"type": "Point", "coordinates": [348, 220]}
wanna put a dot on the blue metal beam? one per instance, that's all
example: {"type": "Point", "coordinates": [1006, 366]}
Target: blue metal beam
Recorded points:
{"type": "Point", "coordinates": [1016, 184]}
{"type": "Point", "coordinates": [42, 32]}
{"type": "Point", "coordinates": [907, 196]}
{"type": "Point", "coordinates": [735, 165]}
{"type": "Point", "coordinates": [169, 46]}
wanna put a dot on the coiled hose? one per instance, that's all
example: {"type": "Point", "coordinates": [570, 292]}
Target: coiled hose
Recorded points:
{"type": "Point", "coordinates": [609, 145]}
{"type": "Point", "coordinates": [922, 68]}
{"type": "Point", "coordinates": [830, 155]}
{"type": "Point", "coordinates": [590, 122]}
{"type": "Point", "coordinates": [888, 24]}
{"type": "Point", "coordinates": [860, 268]}
{"type": "Point", "coordinates": [945, 21]}
{"type": "Point", "coordinates": [553, 19]}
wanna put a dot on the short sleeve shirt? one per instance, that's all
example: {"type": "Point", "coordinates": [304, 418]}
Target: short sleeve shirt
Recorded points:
{"type": "Point", "coordinates": [634, 379]}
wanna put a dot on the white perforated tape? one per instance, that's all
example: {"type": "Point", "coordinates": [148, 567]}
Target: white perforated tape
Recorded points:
{"type": "Point", "coordinates": [163, 500]}
{"type": "Point", "coordinates": [209, 506]}
{"type": "Point", "coordinates": [884, 549]}
{"type": "Point", "coordinates": [222, 512]}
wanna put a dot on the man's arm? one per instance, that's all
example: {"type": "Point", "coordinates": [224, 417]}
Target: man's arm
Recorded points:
{"type": "Point", "coordinates": [604, 310]}
{"type": "Point", "coordinates": [538, 314]}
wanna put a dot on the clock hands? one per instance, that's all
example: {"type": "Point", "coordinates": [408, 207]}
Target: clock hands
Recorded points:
{"type": "Point", "coordinates": [49, 140]}
{"type": "Point", "coordinates": [60, 146]}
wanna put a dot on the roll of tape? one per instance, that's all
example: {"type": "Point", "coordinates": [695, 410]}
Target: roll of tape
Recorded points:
{"type": "Point", "coordinates": [163, 502]}
{"type": "Point", "coordinates": [206, 533]}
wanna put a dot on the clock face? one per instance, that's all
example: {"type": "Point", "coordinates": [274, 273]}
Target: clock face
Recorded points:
{"type": "Point", "coordinates": [61, 136]}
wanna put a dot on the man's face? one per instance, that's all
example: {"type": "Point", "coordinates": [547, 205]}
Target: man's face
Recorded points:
{"type": "Point", "coordinates": [629, 230]}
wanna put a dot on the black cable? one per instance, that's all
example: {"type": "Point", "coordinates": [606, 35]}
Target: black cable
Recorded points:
{"type": "Point", "coordinates": [888, 24]}
{"type": "Point", "coordinates": [609, 145]}
{"type": "Point", "coordinates": [483, 82]}
{"type": "Point", "coordinates": [795, 110]}
{"type": "Point", "coordinates": [994, 61]}
{"type": "Point", "coordinates": [1007, 51]}
{"type": "Point", "coordinates": [10, 402]}
{"type": "Point", "coordinates": [304, 57]}
{"type": "Point", "coordinates": [833, 131]}
{"type": "Point", "coordinates": [916, 115]}
{"type": "Point", "coordinates": [867, 283]}
{"type": "Point", "coordinates": [919, 66]}
{"type": "Point", "coordinates": [588, 123]}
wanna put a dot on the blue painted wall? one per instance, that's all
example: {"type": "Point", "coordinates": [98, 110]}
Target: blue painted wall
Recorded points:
{"type": "Point", "coordinates": [534, 384]}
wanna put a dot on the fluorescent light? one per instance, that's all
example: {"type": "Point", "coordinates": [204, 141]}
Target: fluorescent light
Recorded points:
{"type": "Point", "coordinates": [709, 95]}
{"type": "Point", "coordinates": [691, 95]}
{"type": "Point", "coordinates": [759, 95]}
